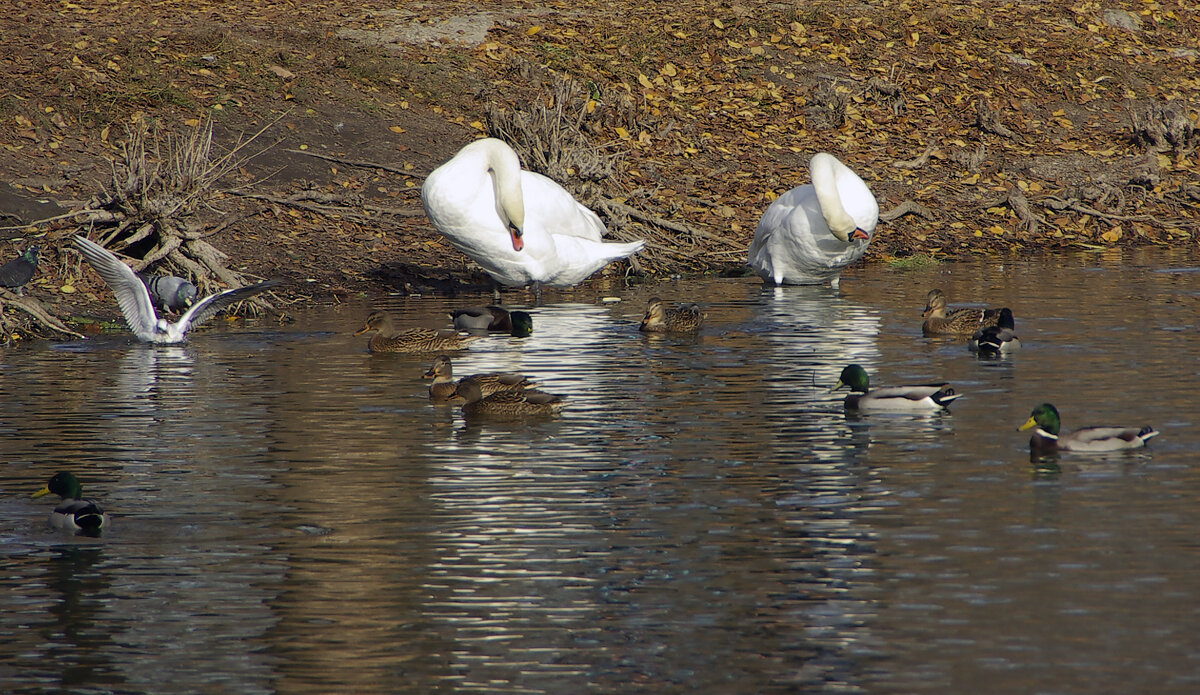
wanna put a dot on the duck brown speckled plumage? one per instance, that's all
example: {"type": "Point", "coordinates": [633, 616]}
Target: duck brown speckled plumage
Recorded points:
{"type": "Point", "coordinates": [939, 321]}
{"type": "Point", "coordinates": [505, 404]}
{"type": "Point", "coordinates": [388, 339]}
{"type": "Point", "coordinates": [661, 318]}
{"type": "Point", "coordinates": [444, 386]}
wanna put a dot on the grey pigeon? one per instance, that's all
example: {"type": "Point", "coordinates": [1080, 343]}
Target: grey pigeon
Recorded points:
{"type": "Point", "coordinates": [170, 293]}
{"type": "Point", "coordinates": [19, 271]}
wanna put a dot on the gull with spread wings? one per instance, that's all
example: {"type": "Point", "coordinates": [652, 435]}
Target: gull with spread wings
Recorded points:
{"type": "Point", "coordinates": [134, 299]}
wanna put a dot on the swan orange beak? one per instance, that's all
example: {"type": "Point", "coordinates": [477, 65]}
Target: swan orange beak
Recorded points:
{"type": "Point", "coordinates": [859, 234]}
{"type": "Point", "coordinates": [517, 242]}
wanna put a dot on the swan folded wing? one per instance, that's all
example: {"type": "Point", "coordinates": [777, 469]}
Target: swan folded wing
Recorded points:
{"type": "Point", "coordinates": [132, 296]}
{"type": "Point", "coordinates": [576, 259]}
{"type": "Point", "coordinates": [556, 210]}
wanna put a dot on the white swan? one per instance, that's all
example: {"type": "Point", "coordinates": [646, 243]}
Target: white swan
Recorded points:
{"type": "Point", "coordinates": [810, 233]}
{"type": "Point", "coordinates": [134, 298]}
{"type": "Point", "coordinates": [519, 226]}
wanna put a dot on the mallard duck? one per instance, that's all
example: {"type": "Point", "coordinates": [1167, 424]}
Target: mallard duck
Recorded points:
{"type": "Point", "coordinates": [133, 298]}
{"type": "Point", "coordinates": [807, 235]}
{"type": "Point", "coordinates": [388, 339]}
{"type": "Point", "coordinates": [519, 226]}
{"type": "Point", "coordinates": [996, 340]}
{"type": "Point", "coordinates": [73, 513]}
{"type": "Point", "coordinates": [661, 318]}
{"type": "Point", "coordinates": [493, 318]}
{"type": "Point", "coordinates": [916, 398]}
{"type": "Point", "coordinates": [15, 274]}
{"type": "Point", "coordinates": [939, 321]}
{"type": "Point", "coordinates": [505, 404]}
{"type": "Point", "coordinates": [1047, 438]}
{"type": "Point", "coordinates": [444, 386]}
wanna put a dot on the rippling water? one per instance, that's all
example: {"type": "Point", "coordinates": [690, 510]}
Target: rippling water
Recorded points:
{"type": "Point", "coordinates": [291, 514]}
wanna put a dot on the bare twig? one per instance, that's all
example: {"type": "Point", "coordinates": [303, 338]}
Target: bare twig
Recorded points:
{"type": "Point", "coordinates": [354, 162]}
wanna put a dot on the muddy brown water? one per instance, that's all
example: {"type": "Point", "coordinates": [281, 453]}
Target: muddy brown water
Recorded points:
{"type": "Point", "coordinates": [290, 514]}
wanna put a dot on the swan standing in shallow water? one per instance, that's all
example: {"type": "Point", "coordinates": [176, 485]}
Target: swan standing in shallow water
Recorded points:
{"type": "Point", "coordinates": [813, 231]}
{"type": "Point", "coordinates": [519, 226]}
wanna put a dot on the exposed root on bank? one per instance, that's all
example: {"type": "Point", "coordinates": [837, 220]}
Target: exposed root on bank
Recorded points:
{"type": "Point", "coordinates": [152, 211]}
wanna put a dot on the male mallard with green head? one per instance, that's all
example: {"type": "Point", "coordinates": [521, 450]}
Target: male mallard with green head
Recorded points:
{"type": "Point", "coordinates": [1047, 437]}
{"type": "Point", "coordinates": [493, 318]}
{"type": "Point", "coordinates": [74, 513]}
{"type": "Point", "coordinates": [915, 398]}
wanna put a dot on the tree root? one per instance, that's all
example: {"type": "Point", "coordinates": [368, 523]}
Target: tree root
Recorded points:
{"type": "Point", "coordinates": [44, 321]}
{"type": "Point", "coordinates": [908, 207]}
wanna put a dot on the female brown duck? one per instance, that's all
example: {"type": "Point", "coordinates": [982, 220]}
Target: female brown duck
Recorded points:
{"type": "Point", "coordinates": [444, 385]}
{"type": "Point", "coordinates": [388, 339]}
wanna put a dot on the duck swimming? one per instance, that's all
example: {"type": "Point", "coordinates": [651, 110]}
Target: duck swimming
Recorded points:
{"type": "Point", "coordinates": [661, 318]}
{"type": "Point", "coordinates": [74, 513]}
{"type": "Point", "coordinates": [388, 338]}
{"type": "Point", "coordinates": [1047, 437]}
{"type": "Point", "coordinates": [505, 404]}
{"type": "Point", "coordinates": [444, 387]}
{"type": "Point", "coordinates": [493, 318]}
{"type": "Point", "coordinates": [965, 321]}
{"type": "Point", "coordinates": [916, 398]}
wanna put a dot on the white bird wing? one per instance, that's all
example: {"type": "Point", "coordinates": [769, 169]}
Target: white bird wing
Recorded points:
{"type": "Point", "coordinates": [132, 296]}
{"type": "Point", "coordinates": [552, 206]}
{"type": "Point", "coordinates": [208, 307]}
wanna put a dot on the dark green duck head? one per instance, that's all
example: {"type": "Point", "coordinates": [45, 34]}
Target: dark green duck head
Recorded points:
{"type": "Point", "coordinates": [1045, 418]}
{"type": "Point", "coordinates": [64, 484]}
{"type": "Point", "coordinates": [522, 323]}
{"type": "Point", "coordinates": [853, 377]}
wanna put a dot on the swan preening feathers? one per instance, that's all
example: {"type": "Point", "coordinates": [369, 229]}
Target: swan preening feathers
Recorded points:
{"type": "Point", "coordinates": [810, 233]}
{"type": "Point", "coordinates": [519, 226]}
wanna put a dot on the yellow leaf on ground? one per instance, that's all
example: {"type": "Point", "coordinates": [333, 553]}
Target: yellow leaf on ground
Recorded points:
{"type": "Point", "coordinates": [718, 24]}
{"type": "Point", "coordinates": [622, 133]}
{"type": "Point", "coordinates": [1112, 236]}
{"type": "Point", "coordinates": [645, 81]}
{"type": "Point", "coordinates": [532, 30]}
{"type": "Point", "coordinates": [397, 129]}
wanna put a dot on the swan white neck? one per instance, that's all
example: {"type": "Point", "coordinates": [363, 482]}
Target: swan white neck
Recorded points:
{"type": "Point", "coordinates": [505, 169]}
{"type": "Point", "coordinates": [825, 169]}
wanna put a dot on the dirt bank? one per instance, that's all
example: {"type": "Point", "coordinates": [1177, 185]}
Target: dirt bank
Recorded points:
{"type": "Point", "coordinates": [981, 127]}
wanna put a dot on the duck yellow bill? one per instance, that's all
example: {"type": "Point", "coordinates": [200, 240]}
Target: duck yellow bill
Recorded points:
{"type": "Point", "coordinates": [41, 493]}
{"type": "Point", "coordinates": [836, 386]}
{"type": "Point", "coordinates": [1028, 423]}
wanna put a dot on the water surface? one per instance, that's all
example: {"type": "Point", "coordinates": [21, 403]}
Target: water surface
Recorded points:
{"type": "Point", "coordinates": [291, 514]}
